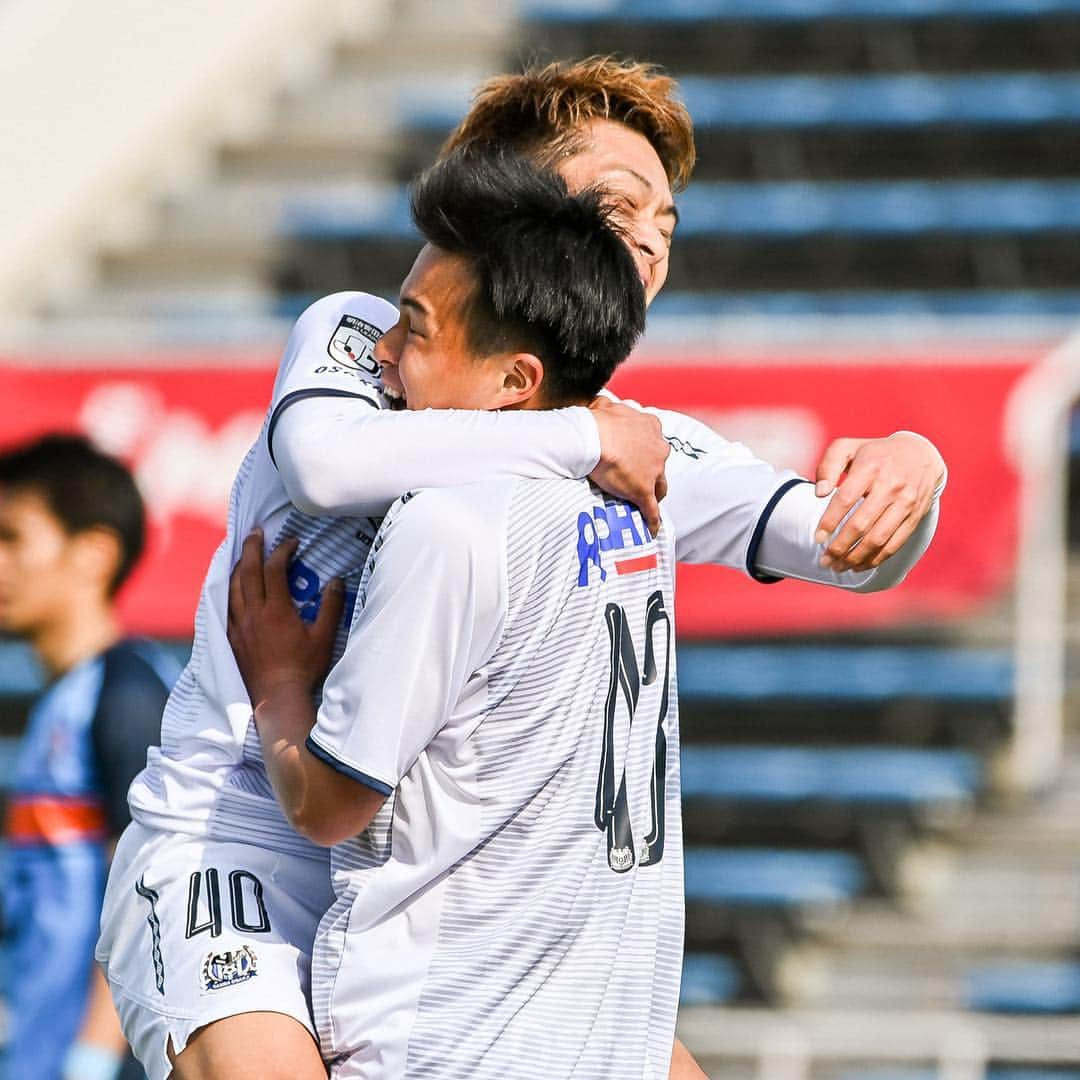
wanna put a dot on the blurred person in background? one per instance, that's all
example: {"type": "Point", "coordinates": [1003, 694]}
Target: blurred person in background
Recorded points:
{"type": "Point", "coordinates": [71, 530]}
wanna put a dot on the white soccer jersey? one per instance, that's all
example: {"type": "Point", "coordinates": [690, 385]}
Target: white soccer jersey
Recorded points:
{"type": "Point", "coordinates": [515, 909]}
{"type": "Point", "coordinates": [338, 453]}
{"type": "Point", "coordinates": [208, 778]}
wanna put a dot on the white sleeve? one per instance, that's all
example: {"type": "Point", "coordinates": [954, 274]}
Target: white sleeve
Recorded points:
{"type": "Point", "coordinates": [719, 494]}
{"type": "Point", "coordinates": [338, 456]}
{"type": "Point", "coordinates": [329, 352]}
{"type": "Point", "coordinates": [431, 616]}
{"type": "Point", "coordinates": [788, 550]}
{"type": "Point", "coordinates": [339, 453]}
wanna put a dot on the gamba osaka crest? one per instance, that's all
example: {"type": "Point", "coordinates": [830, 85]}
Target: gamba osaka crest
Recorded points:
{"type": "Point", "coordinates": [221, 969]}
{"type": "Point", "coordinates": [353, 345]}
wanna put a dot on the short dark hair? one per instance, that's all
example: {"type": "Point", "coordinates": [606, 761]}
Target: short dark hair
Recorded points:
{"type": "Point", "coordinates": [553, 275]}
{"type": "Point", "coordinates": [83, 489]}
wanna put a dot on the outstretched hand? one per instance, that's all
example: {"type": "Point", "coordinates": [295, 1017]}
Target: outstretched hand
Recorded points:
{"type": "Point", "coordinates": [633, 454]}
{"type": "Point", "coordinates": [272, 644]}
{"type": "Point", "coordinates": [895, 478]}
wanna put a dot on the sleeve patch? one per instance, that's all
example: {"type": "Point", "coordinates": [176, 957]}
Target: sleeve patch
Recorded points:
{"type": "Point", "coordinates": [352, 346]}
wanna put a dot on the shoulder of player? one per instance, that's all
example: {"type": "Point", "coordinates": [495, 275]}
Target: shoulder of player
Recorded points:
{"type": "Point", "coordinates": [460, 517]}
{"type": "Point", "coordinates": [690, 439]}
{"type": "Point", "coordinates": [333, 308]}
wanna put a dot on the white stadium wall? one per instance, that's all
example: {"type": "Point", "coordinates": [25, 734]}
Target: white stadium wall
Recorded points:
{"type": "Point", "coordinates": [105, 105]}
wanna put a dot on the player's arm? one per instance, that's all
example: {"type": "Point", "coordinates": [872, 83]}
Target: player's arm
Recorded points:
{"type": "Point", "coordinates": [683, 1065]}
{"type": "Point", "coordinates": [282, 660]}
{"type": "Point", "coordinates": [339, 452]}
{"type": "Point", "coordinates": [731, 508]}
{"type": "Point", "coordinates": [430, 616]}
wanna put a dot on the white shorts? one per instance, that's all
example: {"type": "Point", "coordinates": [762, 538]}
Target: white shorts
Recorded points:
{"type": "Point", "coordinates": [195, 930]}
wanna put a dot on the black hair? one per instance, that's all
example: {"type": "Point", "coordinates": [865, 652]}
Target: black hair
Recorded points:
{"type": "Point", "coordinates": [83, 488]}
{"type": "Point", "coordinates": [553, 275]}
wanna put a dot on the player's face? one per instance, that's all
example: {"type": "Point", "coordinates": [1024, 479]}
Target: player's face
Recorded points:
{"type": "Point", "coordinates": [624, 163]}
{"type": "Point", "coordinates": [426, 361]}
{"type": "Point", "coordinates": [36, 563]}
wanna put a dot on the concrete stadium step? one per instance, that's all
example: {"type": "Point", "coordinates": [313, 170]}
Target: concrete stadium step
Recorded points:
{"type": "Point", "coordinates": [832, 1039]}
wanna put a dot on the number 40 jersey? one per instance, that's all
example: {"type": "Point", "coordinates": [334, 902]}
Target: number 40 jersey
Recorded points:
{"type": "Point", "coordinates": [516, 907]}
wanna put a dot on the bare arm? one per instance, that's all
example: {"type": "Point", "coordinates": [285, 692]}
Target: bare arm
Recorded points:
{"type": "Point", "coordinates": [281, 660]}
{"type": "Point", "coordinates": [683, 1065]}
{"type": "Point", "coordinates": [100, 1042]}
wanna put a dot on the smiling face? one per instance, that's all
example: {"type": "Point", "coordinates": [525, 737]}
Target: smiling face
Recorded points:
{"type": "Point", "coordinates": [624, 163]}
{"type": "Point", "coordinates": [426, 359]}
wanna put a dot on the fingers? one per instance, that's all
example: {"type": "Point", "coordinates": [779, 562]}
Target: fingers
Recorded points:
{"type": "Point", "coordinates": [834, 461]}
{"type": "Point", "coordinates": [248, 572]}
{"type": "Point", "coordinates": [867, 539]}
{"type": "Point", "coordinates": [330, 610]}
{"type": "Point", "coordinates": [650, 512]}
{"type": "Point", "coordinates": [276, 572]}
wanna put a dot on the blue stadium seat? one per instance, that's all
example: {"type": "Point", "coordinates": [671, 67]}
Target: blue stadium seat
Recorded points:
{"type": "Point", "coordinates": [869, 777]}
{"type": "Point", "coordinates": [1039, 988]}
{"type": "Point", "coordinates": [943, 303]}
{"type": "Point", "coordinates": [808, 101]}
{"type": "Point", "coordinates": [774, 209]}
{"type": "Point", "coordinates": [805, 101]}
{"type": "Point", "coordinates": [569, 11]}
{"type": "Point", "coordinates": [731, 673]}
{"type": "Point", "coordinates": [774, 878]}
{"type": "Point", "coordinates": [874, 208]}
{"type": "Point", "coordinates": [709, 979]}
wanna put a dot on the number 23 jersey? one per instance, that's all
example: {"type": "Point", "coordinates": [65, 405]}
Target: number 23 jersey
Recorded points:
{"type": "Point", "coordinates": [516, 907]}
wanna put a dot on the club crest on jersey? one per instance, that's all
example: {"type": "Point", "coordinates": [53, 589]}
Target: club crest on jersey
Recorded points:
{"type": "Point", "coordinates": [615, 530]}
{"type": "Point", "coordinates": [222, 969]}
{"type": "Point", "coordinates": [353, 345]}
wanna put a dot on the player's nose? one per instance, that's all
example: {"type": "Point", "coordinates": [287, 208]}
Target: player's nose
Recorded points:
{"type": "Point", "coordinates": [388, 347]}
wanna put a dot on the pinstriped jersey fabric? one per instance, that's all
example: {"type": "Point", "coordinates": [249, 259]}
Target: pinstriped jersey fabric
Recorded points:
{"type": "Point", "coordinates": [208, 778]}
{"type": "Point", "coordinates": [516, 908]}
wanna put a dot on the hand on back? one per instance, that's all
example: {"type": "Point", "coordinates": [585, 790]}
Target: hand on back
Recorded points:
{"type": "Point", "coordinates": [633, 455]}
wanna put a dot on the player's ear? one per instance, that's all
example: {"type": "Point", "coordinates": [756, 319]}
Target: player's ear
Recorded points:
{"type": "Point", "coordinates": [97, 552]}
{"type": "Point", "coordinates": [522, 375]}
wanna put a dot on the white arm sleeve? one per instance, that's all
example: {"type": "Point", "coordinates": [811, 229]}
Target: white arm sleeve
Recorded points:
{"type": "Point", "coordinates": [341, 457]}
{"type": "Point", "coordinates": [787, 547]}
{"type": "Point", "coordinates": [730, 508]}
{"type": "Point", "coordinates": [431, 616]}
{"type": "Point", "coordinates": [338, 452]}
{"type": "Point", "coordinates": [719, 493]}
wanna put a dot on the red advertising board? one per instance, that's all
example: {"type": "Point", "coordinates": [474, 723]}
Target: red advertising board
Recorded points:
{"type": "Point", "coordinates": [183, 423]}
